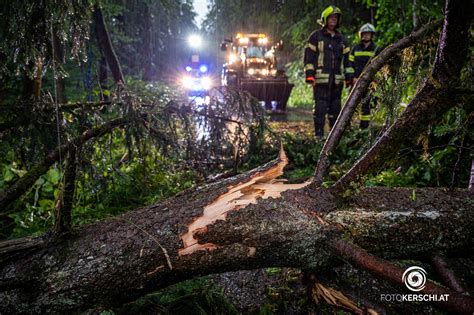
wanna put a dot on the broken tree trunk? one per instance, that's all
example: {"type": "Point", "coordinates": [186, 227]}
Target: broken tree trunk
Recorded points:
{"type": "Point", "coordinates": [359, 91]}
{"type": "Point", "coordinates": [38, 77]}
{"type": "Point", "coordinates": [248, 221]}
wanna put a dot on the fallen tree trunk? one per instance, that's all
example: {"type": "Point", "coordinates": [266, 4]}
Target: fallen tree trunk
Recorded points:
{"type": "Point", "coordinates": [248, 221]}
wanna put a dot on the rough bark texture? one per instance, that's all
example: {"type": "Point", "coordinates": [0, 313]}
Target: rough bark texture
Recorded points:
{"type": "Point", "coordinates": [118, 260]}
{"type": "Point", "coordinates": [58, 50]}
{"type": "Point", "coordinates": [18, 188]}
{"type": "Point", "coordinates": [105, 45]}
{"type": "Point", "coordinates": [431, 101]}
{"type": "Point", "coordinates": [62, 222]}
{"type": "Point", "coordinates": [471, 177]}
{"type": "Point", "coordinates": [38, 77]}
{"type": "Point", "coordinates": [147, 63]}
{"type": "Point", "coordinates": [358, 92]}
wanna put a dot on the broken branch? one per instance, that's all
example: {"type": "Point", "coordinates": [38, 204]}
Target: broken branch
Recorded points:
{"type": "Point", "coordinates": [18, 188]}
{"type": "Point", "coordinates": [358, 92]}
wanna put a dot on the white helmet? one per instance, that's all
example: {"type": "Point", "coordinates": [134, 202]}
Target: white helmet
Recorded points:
{"type": "Point", "coordinates": [366, 28]}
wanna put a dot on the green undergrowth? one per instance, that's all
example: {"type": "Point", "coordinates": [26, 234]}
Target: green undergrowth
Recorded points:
{"type": "Point", "coordinates": [113, 181]}
{"type": "Point", "coordinates": [199, 296]}
{"type": "Point", "coordinates": [118, 180]}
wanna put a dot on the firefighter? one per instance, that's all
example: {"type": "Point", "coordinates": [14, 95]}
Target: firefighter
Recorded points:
{"type": "Point", "coordinates": [359, 57]}
{"type": "Point", "coordinates": [326, 65]}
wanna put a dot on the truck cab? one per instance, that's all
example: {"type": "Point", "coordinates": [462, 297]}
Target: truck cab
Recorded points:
{"type": "Point", "coordinates": [251, 66]}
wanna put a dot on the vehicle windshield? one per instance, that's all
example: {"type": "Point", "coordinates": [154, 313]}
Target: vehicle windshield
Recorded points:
{"type": "Point", "coordinates": [254, 51]}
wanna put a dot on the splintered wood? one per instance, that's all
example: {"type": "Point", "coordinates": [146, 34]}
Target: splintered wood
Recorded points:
{"type": "Point", "coordinates": [262, 185]}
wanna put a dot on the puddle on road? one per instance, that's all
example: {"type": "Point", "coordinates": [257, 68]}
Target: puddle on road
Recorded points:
{"type": "Point", "coordinates": [292, 115]}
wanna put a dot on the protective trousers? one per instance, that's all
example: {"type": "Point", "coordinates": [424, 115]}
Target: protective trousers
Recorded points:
{"type": "Point", "coordinates": [365, 114]}
{"type": "Point", "coordinates": [327, 99]}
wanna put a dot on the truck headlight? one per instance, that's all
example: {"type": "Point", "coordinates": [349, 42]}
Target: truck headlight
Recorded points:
{"type": "Point", "coordinates": [264, 71]}
{"type": "Point", "coordinates": [243, 40]}
{"type": "Point", "coordinates": [263, 41]}
{"type": "Point", "coordinates": [251, 71]}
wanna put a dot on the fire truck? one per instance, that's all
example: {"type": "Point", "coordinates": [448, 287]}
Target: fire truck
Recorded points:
{"type": "Point", "coordinates": [251, 65]}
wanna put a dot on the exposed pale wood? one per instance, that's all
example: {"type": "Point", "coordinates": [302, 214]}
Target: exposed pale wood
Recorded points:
{"type": "Point", "coordinates": [118, 260]}
{"type": "Point", "coordinates": [261, 185]}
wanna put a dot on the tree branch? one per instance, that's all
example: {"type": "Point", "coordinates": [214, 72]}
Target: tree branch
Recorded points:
{"type": "Point", "coordinates": [429, 103]}
{"type": "Point", "coordinates": [18, 188]}
{"type": "Point", "coordinates": [358, 93]}
{"type": "Point", "coordinates": [448, 276]}
{"type": "Point", "coordinates": [456, 302]}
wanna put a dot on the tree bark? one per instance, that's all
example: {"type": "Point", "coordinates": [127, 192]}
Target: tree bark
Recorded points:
{"type": "Point", "coordinates": [62, 222]}
{"type": "Point", "coordinates": [456, 303]}
{"type": "Point", "coordinates": [147, 64]}
{"type": "Point", "coordinates": [38, 77]}
{"type": "Point", "coordinates": [430, 102]}
{"type": "Point", "coordinates": [106, 47]}
{"type": "Point", "coordinates": [245, 222]}
{"type": "Point", "coordinates": [359, 91]}
{"type": "Point", "coordinates": [59, 60]}
{"type": "Point", "coordinates": [448, 276]}
{"type": "Point", "coordinates": [104, 87]}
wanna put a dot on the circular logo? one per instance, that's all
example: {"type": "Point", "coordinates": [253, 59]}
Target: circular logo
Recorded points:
{"type": "Point", "coordinates": [414, 278]}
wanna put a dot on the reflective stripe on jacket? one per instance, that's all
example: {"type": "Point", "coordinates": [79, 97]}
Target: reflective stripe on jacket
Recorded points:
{"type": "Point", "coordinates": [326, 57]}
{"type": "Point", "coordinates": [360, 56]}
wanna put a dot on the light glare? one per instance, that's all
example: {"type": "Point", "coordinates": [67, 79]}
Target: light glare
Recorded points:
{"type": "Point", "coordinates": [195, 41]}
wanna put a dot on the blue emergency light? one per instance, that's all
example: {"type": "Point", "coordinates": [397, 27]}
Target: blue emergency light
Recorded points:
{"type": "Point", "coordinates": [203, 68]}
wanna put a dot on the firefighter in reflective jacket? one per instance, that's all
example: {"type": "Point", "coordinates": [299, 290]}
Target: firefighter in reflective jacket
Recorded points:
{"type": "Point", "coordinates": [359, 57]}
{"type": "Point", "coordinates": [327, 66]}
